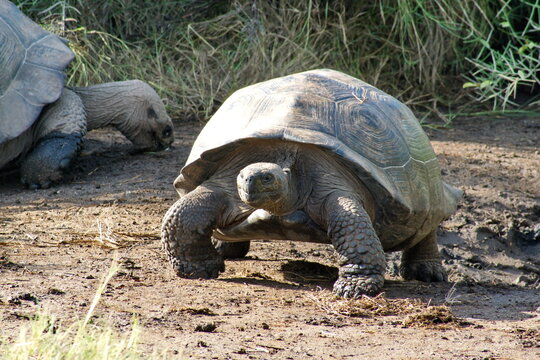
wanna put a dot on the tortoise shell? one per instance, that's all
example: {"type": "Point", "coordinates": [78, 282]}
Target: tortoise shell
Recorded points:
{"type": "Point", "coordinates": [33, 62]}
{"type": "Point", "coordinates": [376, 135]}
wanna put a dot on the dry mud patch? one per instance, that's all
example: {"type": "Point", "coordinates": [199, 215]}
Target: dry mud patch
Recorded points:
{"type": "Point", "coordinates": [56, 245]}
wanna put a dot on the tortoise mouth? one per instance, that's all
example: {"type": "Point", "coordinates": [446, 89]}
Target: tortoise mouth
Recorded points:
{"type": "Point", "coordinates": [260, 198]}
{"type": "Point", "coordinates": [156, 146]}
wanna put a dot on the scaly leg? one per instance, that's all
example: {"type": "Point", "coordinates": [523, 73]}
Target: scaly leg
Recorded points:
{"type": "Point", "coordinates": [58, 137]}
{"type": "Point", "coordinates": [361, 258]}
{"type": "Point", "coordinates": [187, 230]}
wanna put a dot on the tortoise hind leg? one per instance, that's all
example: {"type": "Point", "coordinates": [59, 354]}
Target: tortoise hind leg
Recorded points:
{"type": "Point", "coordinates": [423, 262]}
{"type": "Point", "coordinates": [58, 137]}
{"type": "Point", "coordinates": [231, 250]}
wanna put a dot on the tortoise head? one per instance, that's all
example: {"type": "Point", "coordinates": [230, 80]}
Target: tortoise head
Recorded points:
{"type": "Point", "coordinates": [149, 126]}
{"type": "Point", "coordinates": [266, 186]}
{"type": "Point", "coordinates": [134, 108]}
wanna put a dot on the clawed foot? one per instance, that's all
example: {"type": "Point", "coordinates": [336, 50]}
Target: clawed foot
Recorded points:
{"type": "Point", "coordinates": [45, 165]}
{"type": "Point", "coordinates": [356, 287]}
{"type": "Point", "coordinates": [207, 269]}
{"type": "Point", "coordinates": [354, 282]}
{"type": "Point", "coordinates": [427, 271]}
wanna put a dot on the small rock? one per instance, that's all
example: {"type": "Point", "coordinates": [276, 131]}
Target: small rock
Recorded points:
{"type": "Point", "coordinates": [524, 280]}
{"type": "Point", "coordinates": [449, 254]}
{"type": "Point", "coordinates": [15, 301]}
{"type": "Point", "coordinates": [473, 258]}
{"type": "Point", "coordinates": [29, 297]}
{"type": "Point", "coordinates": [54, 291]}
{"type": "Point", "coordinates": [483, 233]}
{"type": "Point", "coordinates": [456, 223]}
{"type": "Point", "coordinates": [516, 236]}
{"type": "Point", "coordinates": [536, 232]}
{"type": "Point", "coordinates": [208, 327]}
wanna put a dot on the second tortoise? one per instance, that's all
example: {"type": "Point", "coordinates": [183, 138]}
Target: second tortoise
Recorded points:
{"type": "Point", "coordinates": [43, 123]}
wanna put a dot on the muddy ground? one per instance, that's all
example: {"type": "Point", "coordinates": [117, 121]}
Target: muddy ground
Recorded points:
{"type": "Point", "coordinates": [56, 245]}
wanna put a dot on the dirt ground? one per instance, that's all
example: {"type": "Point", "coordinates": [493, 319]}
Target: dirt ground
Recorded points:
{"type": "Point", "coordinates": [57, 244]}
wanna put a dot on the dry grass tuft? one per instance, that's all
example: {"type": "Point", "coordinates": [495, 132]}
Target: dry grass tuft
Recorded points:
{"type": "Point", "coordinates": [434, 317]}
{"type": "Point", "coordinates": [193, 311]}
{"type": "Point", "coordinates": [418, 313]}
{"type": "Point", "coordinates": [366, 306]}
{"type": "Point", "coordinates": [106, 234]}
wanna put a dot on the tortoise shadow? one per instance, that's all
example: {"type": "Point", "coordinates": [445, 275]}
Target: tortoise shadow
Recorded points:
{"type": "Point", "coordinates": [296, 273]}
{"type": "Point", "coordinates": [465, 299]}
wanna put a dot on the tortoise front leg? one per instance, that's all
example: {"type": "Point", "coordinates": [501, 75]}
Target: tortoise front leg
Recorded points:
{"type": "Point", "coordinates": [187, 230]}
{"type": "Point", "coordinates": [58, 138]}
{"type": "Point", "coordinates": [361, 258]}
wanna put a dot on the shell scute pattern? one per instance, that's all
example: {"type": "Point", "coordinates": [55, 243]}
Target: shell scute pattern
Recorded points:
{"type": "Point", "coordinates": [11, 54]}
{"type": "Point", "coordinates": [374, 133]}
{"type": "Point", "coordinates": [33, 62]}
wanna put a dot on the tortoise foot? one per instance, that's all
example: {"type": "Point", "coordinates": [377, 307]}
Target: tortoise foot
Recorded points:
{"type": "Point", "coordinates": [427, 271]}
{"type": "Point", "coordinates": [202, 269]}
{"type": "Point", "coordinates": [45, 165]}
{"type": "Point", "coordinates": [358, 286]}
{"type": "Point", "coordinates": [231, 250]}
{"type": "Point", "coordinates": [355, 281]}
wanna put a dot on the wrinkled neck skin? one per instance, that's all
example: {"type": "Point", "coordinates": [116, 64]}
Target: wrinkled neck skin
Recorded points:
{"type": "Point", "coordinates": [114, 104]}
{"type": "Point", "coordinates": [291, 200]}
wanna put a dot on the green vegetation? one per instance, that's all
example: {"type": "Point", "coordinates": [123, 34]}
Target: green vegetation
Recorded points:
{"type": "Point", "coordinates": [436, 55]}
{"type": "Point", "coordinates": [46, 339]}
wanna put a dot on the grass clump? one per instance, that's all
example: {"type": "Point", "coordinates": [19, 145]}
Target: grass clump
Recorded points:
{"type": "Point", "coordinates": [45, 338]}
{"type": "Point", "coordinates": [432, 54]}
{"type": "Point", "coordinates": [507, 66]}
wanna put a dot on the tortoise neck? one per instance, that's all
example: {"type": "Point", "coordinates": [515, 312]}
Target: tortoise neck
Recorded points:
{"type": "Point", "coordinates": [289, 201]}
{"type": "Point", "coordinates": [110, 104]}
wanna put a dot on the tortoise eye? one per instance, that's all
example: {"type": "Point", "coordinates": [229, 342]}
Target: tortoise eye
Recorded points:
{"type": "Point", "coordinates": [268, 179]}
{"type": "Point", "coordinates": [151, 113]}
{"type": "Point", "coordinates": [167, 132]}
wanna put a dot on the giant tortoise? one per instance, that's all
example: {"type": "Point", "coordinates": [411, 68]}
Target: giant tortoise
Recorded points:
{"type": "Point", "coordinates": [42, 122]}
{"type": "Point", "coordinates": [316, 156]}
